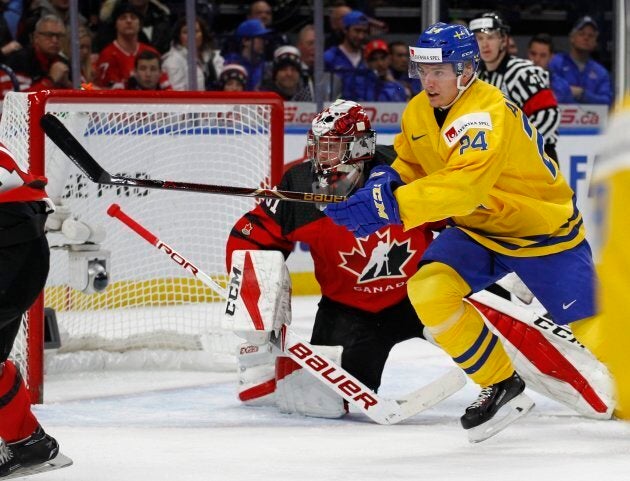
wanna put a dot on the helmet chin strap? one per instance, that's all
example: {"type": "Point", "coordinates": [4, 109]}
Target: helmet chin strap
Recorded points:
{"type": "Point", "coordinates": [461, 89]}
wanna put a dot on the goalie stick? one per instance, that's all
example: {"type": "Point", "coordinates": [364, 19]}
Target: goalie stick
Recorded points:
{"type": "Point", "coordinates": [379, 409]}
{"type": "Point", "coordinates": [69, 145]}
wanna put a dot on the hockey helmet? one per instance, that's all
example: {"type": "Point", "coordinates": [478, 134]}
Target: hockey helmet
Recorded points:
{"type": "Point", "coordinates": [341, 139]}
{"type": "Point", "coordinates": [489, 22]}
{"type": "Point", "coordinates": [444, 43]}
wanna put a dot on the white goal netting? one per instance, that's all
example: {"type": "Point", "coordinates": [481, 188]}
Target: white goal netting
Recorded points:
{"type": "Point", "coordinates": [151, 306]}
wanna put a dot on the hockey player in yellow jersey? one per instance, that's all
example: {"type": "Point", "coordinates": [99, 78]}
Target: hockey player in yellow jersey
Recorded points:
{"type": "Point", "coordinates": [469, 155]}
{"type": "Point", "coordinates": [610, 339]}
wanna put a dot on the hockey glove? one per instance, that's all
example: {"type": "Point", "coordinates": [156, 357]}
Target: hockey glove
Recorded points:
{"type": "Point", "coordinates": [371, 207]}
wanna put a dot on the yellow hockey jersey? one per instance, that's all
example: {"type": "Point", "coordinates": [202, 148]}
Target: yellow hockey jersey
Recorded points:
{"type": "Point", "coordinates": [486, 169]}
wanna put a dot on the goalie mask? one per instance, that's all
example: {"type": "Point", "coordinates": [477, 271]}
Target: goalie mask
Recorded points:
{"type": "Point", "coordinates": [340, 141]}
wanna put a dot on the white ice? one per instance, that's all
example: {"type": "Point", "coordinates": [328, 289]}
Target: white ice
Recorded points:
{"type": "Point", "coordinates": [181, 426]}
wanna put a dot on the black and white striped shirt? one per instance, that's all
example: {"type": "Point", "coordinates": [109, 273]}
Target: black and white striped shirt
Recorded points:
{"type": "Point", "coordinates": [528, 86]}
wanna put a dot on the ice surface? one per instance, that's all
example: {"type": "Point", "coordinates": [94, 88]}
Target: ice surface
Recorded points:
{"type": "Point", "coordinates": [181, 426]}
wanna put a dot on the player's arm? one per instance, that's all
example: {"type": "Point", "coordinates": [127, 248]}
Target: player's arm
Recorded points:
{"type": "Point", "coordinates": [540, 106]}
{"type": "Point", "coordinates": [262, 227]}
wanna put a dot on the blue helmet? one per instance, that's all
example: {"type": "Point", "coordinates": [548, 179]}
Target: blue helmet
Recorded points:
{"type": "Point", "coordinates": [442, 43]}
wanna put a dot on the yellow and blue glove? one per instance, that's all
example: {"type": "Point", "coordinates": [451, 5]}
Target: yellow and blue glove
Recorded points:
{"type": "Point", "coordinates": [372, 206]}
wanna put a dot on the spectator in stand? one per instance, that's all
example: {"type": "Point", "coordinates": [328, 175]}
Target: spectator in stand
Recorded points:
{"type": "Point", "coordinates": [117, 60]}
{"type": "Point", "coordinates": [589, 81]}
{"type": "Point", "coordinates": [286, 79]}
{"type": "Point", "coordinates": [306, 46]}
{"type": "Point", "coordinates": [8, 44]}
{"type": "Point", "coordinates": [41, 8]}
{"type": "Point", "coordinates": [520, 80]}
{"type": "Point", "coordinates": [12, 11]}
{"type": "Point", "coordinates": [346, 59]}
{"type": "Point", "coordinates": [335, 22]}
{"type": "Point", "coordinates": [233, 78]}
{"type": "Point", "coordinates": [399, 66]}
{"type": "Point", "coordinates": [382, 85]}
{"type": "Point", "coordinates": [87, 60]}
{"type": "Point", "coordinates": [540, 51]}
{"type": "Point", "coordinates": [262, 11]}
{"type": "Point", "coordinates": [147, 73]}
{"type": "Point", "coordinates": [251, 35]}
{"type": "Point", "coordinates": [41, 65]}
{"type": "Point", "coordinates": [209, 61]}
{"type": "Point", "coordinates": [156, 22]}
{"type": "Point", "coordinates": [512, 47]}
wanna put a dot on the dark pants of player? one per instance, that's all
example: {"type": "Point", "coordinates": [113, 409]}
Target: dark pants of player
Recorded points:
{"type": "Point", "coordinates": [367, 338]}
{"type": "Point", "coordinates": [23, 265]}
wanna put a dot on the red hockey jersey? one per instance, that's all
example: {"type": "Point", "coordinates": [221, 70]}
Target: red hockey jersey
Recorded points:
{"type": "Point", "coordinates": [115, 66]}
{"type": "Point", "coordinates": [368, 273]}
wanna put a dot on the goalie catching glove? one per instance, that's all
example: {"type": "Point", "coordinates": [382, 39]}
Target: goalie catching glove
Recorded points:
{"type": "Point", "coordinates": [371, 207]}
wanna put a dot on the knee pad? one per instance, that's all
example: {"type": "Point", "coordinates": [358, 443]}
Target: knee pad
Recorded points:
{"type": "Point", "coordinates": [436, 292]}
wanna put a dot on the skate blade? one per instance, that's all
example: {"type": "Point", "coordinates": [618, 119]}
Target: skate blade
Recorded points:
{"type": "Point", "coordinates": [514, 409]}
{"type": "Point", "coordinates": [58, 462]}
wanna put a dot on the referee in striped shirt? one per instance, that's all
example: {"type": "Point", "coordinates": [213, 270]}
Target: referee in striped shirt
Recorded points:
{"type": "Point", "coordinates": [527, 85]}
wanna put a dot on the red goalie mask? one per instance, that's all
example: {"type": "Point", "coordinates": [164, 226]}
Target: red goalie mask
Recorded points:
{"type": "Point", "coordinates": [341, 139]}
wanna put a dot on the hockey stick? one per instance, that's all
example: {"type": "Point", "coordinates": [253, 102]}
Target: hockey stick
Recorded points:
{"type": "Point", "coordinates": [377, 408]}
{"type": "Point", "coordinates": [69, 145]}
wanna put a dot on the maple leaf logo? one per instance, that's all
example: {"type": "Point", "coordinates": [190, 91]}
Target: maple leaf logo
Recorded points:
{"type": "Point", "coordinates": [376, 257]}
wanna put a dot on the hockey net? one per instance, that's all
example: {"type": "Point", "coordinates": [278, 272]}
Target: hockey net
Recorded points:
{"type": "Point", "coordinates": [150, 314]}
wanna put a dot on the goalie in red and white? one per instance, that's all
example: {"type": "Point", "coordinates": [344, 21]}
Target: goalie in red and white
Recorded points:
{"type": "Point", "coordinates": [364, 310]}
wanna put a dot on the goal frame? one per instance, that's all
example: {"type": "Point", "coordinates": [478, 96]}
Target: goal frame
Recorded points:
{"type": "Point", "coordinates": [37, 107]}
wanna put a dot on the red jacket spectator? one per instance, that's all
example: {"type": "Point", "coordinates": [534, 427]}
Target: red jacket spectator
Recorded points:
{"type": "Point", "coordinates": [117, 60]}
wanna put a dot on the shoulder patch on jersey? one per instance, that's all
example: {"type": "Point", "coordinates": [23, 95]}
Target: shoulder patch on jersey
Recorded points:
{"type": "Point", "coordinates": [475, 120]}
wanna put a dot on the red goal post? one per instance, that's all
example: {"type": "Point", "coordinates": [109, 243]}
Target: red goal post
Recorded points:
{"type": "Point", "coordinates": [228, 138]}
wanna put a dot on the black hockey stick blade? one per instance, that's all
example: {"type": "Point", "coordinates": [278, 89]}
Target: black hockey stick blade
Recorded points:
{"type": "Point", "coordinates": [69, 145]}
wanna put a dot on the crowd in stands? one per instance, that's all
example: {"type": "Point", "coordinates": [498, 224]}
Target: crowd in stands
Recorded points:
{"type": "Point", "coordinates": [143, 44]}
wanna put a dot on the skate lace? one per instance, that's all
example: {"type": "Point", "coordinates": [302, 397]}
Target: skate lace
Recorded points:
{"type": "Point", "coordinates": [5, 453]}
{"type": "Point", "coordinates": [484, 395]}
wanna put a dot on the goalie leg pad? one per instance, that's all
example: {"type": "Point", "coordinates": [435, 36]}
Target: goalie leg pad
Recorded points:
{"type": "Point", "coordinates": [298, 391]}
{"type": "Point", "coordinates": [259, 295]}
{"type": "Point", "coordinates": [256, 374]}
{"type": "Point", "coordinates": [552, 362]}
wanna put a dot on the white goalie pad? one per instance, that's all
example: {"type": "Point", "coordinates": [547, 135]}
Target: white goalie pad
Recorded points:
{"type": "Point", "coordinates": [549, 358]}
{"type": "Point", "coordinates": [256, 374]}
{"type": "Point", "coordinates": [513, 284]}
{"type": "Point", "coordinates": [299, 392]}
{"type": "Point", "coordinates": [258, 295]}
